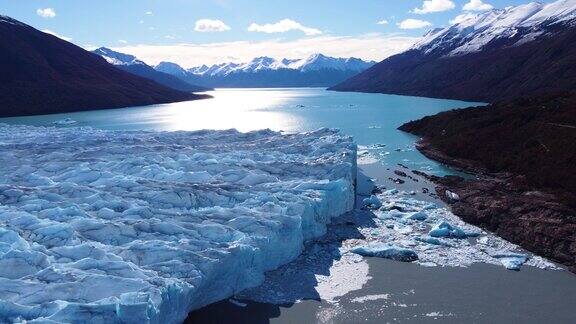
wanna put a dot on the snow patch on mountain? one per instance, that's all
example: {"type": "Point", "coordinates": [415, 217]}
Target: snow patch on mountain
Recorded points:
{"type": "Point", "coordinates": [472, 32]}
{"type": "Point", "coordinates": [137, 226]}
{"type": "Point", "coordinates": [117, 58]}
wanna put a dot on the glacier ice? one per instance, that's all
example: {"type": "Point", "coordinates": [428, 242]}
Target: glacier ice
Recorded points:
{"type": "Point", "coordinates": [512, 261]}
{"type": "Point", "coordinates": [65, 121]}
{"type": "Point", "coordinates": [145, 226]}
{"type": "Point", "coordinates": [444, 229]}
{"type": "Point", "coordinates": [383, 250]}
{"type": "Point", "coordinates": [436, 236]}
{"type": "Point", "coordinates": [371, 202]}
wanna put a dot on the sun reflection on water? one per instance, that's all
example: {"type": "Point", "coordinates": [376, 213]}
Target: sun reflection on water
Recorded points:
{"type": "Point", "coordinates": [244, 110]}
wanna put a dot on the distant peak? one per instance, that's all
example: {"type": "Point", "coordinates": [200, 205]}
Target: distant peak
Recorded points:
{"type": "Point", "coordinates": [170, 68]}
{"type": "Point", "coordinates": [116, 58]}
{"type": "Point", "coordinates": [263, 59]}
{"type": "Point", "coordinates": [318, 56]}
{"type": "Point", "coordinates": [166, 63]}
{"type": "Point", "coordinates": [103, 50]}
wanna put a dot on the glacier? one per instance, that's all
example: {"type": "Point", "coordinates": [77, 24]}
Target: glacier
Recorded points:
{"type": "Point", "coordinates": [142, 226]}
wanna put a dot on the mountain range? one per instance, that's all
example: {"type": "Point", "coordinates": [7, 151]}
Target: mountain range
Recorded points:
{"type": "Point", "coordinates": [130, 63]}
{"type": "Point", "coordinates": [43, 74]}
{"type": "Point", "coordinates": [497, 55]}
{"type": "Point", "coordinates": [314, 71]}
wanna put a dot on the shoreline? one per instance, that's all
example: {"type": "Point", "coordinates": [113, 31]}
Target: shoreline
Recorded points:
{"type": "Point", "coordinates": [504, 204]}
{"type": "Point", "coordinates": [392, 291]}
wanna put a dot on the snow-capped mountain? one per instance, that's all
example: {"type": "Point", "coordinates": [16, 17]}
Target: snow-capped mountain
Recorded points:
{"type": "Point", "coordinates": [312, 63]}
{"type": "Point", "coordinates": [130, 63]}
{"type": "Point", "coordinates": [315, 70]}
{"type": "Point", "coordinates": [117, 58]}
{"type": "Point", "coordinates": [496, 55]}
{"type": "Point", "coordinates": [472, 32]}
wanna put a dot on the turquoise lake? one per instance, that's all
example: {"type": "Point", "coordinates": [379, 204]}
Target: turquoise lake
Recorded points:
{"type": "Point", "coordinates": [371, 119]}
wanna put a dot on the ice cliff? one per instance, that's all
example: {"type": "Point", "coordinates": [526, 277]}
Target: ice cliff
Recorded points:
{"type": "Point", "coordinates": [117, 226]}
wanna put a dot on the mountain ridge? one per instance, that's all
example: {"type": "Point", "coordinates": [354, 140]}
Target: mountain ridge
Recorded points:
{"type": "Point", "coordinates": [498, 55]}
{"type": "Point", "coordinates": [131, 64]}
{"type": "Point", "coordinates": [43, 74]}
{"type": "Point", "coordinates": [316, 70]}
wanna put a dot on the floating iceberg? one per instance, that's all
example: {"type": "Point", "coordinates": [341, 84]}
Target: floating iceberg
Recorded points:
{"type": "Point", "coordinates": [114, 226]}
{"type": "Point", "coordinates": [420, 215]}
{"type": "Point", "coordinates": [431, 240]}
{"type": "Point", "coordinates": [512, 261]}
{"type": "Point", "coordinates": [371, 202]}
{"type": "Point", "coordinates": [383, 250]}
{"type": "Point", "coordinates": [444, 229]}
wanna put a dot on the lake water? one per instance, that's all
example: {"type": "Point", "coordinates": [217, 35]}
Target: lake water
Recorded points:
{"type": "Point", "coordinates": [370, 118]}
{"type": "Point", "coordinates": [396, 291]}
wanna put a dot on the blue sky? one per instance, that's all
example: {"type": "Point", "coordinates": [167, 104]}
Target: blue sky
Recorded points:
{"type": "Point", "coordinates": [191, 32]}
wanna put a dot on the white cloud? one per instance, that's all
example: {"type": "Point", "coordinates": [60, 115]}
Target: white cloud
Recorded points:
{"type": "Point", "coordinates": [430, 6]}
{"type": "Point", "coordinates": [370, 46]}
{"type": "Point", "coordinates": [46, 12]}
{"type": "Point", "coordinates": [382, 22]}
{"type": "Point", "coordinates": [283, 26]}
{"type": "Point", "coordinates": [477, 5]}
{"type": "Point", "coordinates": [211, 25]}
{"type": "Point", "coordinates": [47, 31]}
{"type": "Point", "coordinates": [122, 41]}
{"type": "Point", "coordinates": [414, 24]}
{"type": "Point", "coordinates": [149, 13]}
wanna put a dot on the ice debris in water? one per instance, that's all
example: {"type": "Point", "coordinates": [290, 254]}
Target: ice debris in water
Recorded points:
{"type": "Point", "coordinates": [431, 240]}
{"type": "Point", "coordinates": [512, 261]}
{"type": "Point", "coordinates": [387, 251]}
{"type": "Point", "coordinates": [436, 236]}
{"type": "Point", "coordinates": [371, 202]}
{"type": "Point", "coordinates": [115, 226]}
{"type": "Point", "coordinates": [444, 229]}
{"type": "Point", "coordinates": [420, 215]}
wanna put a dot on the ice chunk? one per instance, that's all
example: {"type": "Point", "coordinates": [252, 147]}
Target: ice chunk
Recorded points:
{"type": "Point", "coordinates": [432, 240]}
{"type": "Point", "coordinates": [512, 261]}
{"type": "Point", "coordinates": [452, 196]}
{"type": "Point", "coordinates": [390, 214]}
{"type": "Point", "coordinates": [420, 215]}
{"type": "Point", "coordinates": [387, 251]}
{"type": "Point", "coordinates": [371, 202]}
{"type": "Point", "coordinates": [444, 229]}
{"type": "Point", "coordinates": [136, 226]}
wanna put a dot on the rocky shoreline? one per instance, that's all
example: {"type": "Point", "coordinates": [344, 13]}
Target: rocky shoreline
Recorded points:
{"type": "Point", "coordinates": [508, 206]}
